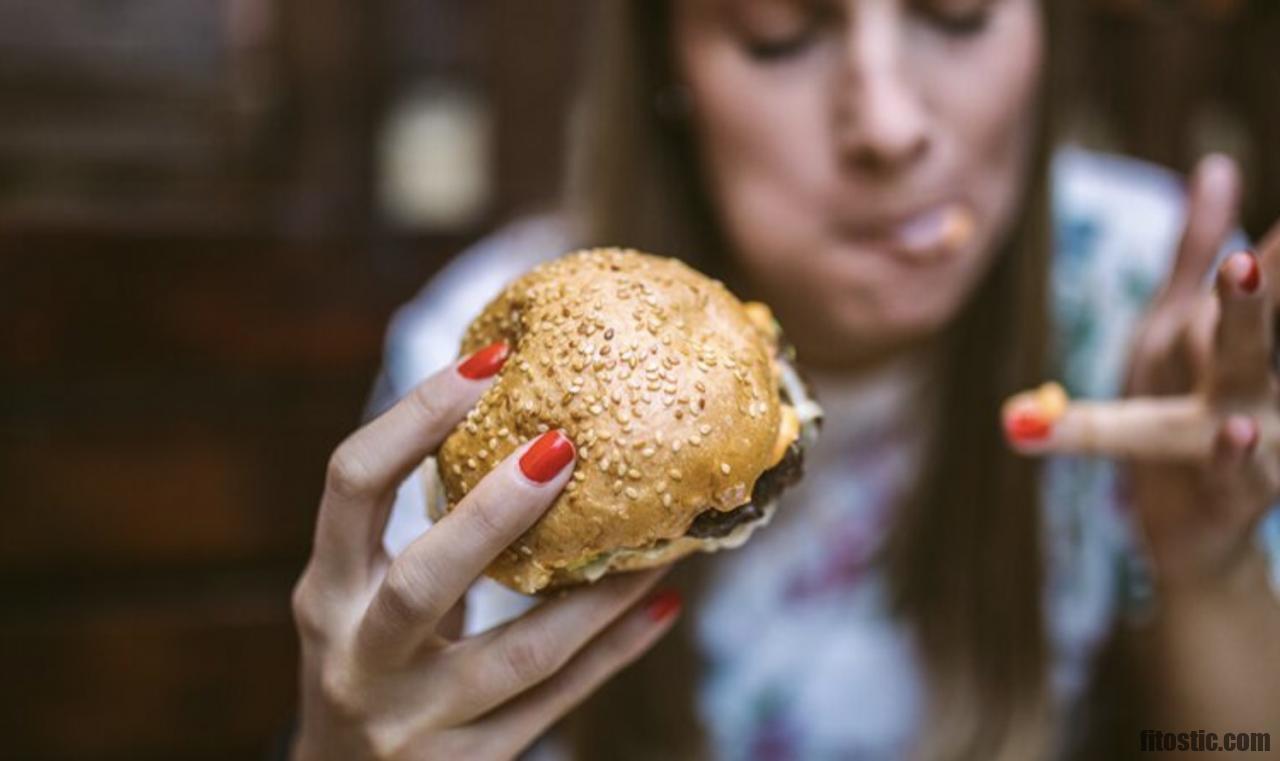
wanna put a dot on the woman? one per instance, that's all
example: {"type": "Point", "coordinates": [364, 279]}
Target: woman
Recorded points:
{"type": "Point", "coordinates": [879, 172]}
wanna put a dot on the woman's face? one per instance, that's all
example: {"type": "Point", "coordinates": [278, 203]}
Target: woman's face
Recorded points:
{"type": "Point", "coordinates": [865, 156]}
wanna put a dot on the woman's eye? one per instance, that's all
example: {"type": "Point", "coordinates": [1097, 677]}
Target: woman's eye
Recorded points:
{"type": "Point", "coordinates": [778, 48]}
{"type": "Point", "coordinates": [967, 24]}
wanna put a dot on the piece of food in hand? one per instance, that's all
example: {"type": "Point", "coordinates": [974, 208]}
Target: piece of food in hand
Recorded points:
{"type": "Point", "coordinates": [1044, 420]}
{"type": "Point", "coordinates": [1030, 415]}
{"type": "Point", "coordinates": [688, 415]}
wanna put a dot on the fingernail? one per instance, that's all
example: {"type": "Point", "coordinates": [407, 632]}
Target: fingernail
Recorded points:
{"type": "Point", "coordinates": [1247, 275]}
{"type": "Point", "coordinates": [663, 605]}
{"type": "Point", "coordinates": [546, 457]}
{"type": "Point", "coordinates": [485, 362]}
{"type": "Point", "coordinates": [1026, 425]}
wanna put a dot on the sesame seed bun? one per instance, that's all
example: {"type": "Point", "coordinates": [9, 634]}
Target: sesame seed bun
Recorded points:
{"type": "Point", "coordinates": [672, 390]}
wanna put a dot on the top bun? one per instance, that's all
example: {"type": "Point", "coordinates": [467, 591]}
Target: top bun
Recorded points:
{"type": "Point", "coordinates": [664, 381]}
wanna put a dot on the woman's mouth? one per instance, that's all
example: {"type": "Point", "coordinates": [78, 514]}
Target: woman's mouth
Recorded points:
{"type": "Point", "coordinates": [930, 236]}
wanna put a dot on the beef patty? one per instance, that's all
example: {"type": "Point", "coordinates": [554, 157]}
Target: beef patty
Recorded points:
{"type": "Point", "coordinates": [713, 524]}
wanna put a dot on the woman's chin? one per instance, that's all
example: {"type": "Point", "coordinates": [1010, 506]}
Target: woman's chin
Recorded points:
{"type": "Point", "coordinates": [854, 335]}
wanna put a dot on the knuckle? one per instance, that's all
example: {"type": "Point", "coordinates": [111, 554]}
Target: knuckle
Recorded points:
{"type": "Point", "coordinates": [305, 616]}
{"type": "Point", "coordinates": [339, 696]}
{"type": "Point", "coordinates": [387, 743]}
{"type": "Point", "coordinates": [487, 516]}
{"type": "Point", "coordinates": [427, 403]}
{"type": "Point", "coordinates": [528, 659]}
{"type": "Point", "coordinates": [405, 597]}
{"type": "Point", "coordinates": [348, 474]}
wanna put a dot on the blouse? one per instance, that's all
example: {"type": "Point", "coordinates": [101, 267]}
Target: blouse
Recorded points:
{"type": "Point", "coordinates": [794, 629]}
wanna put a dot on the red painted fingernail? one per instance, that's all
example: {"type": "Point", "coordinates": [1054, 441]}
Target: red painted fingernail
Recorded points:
{"type": "Point", "coordinates": [485, 362]}
{"type": "Point", "coordinates": [1026, 425]}
{"type": "Point", "coordinates": [1248, 276]}
{"type": "Point", "coordinates": [546, 457]}
{"type": "Point", "coordinates": [663, 605]}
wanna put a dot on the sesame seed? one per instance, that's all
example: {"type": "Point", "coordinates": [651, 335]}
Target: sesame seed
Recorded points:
{"type": "Point", "coordinates": [483, 454]}
{"type": "Point", "coordinates": [632, 493]}
{"type": "Point", "coordinates": [617, 486]}
{"type": "Point", "coordinates": [695, 440]}
{"type": "Point", "coordinates": [704, 429]}
{"type": "Point", "coordinates": [666, 500]}
{"type": "Point", "coordinates": [647, 451]}
{"type": "Point", "coordinates": [724, 468]}
{"type": "Point", "coordinates": [633, 474]}
{"type": "Point", "coordinates": [471, 462]}
{"type": "Point", "coordinates": [621, 470]}
{"type": "Point", "coordinates": [608, 334]}
{"type": "Point", "coordinates": [675, 445]}
{"type": "Point", "coordinates": [675, 474]}
{"type": "Point", "coordinates": [457, 470]}
{"type": "Point", "coordinates": [595, 409]}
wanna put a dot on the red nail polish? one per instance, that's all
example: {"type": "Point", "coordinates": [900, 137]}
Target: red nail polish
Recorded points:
{"type": "Point", "coordinates": [663, 605]}
{"type": "Point", "coordinates": [1252, 277]}
{"type": "Point", "coordinates": [1027, 426]}
{"type": "Point", "coordinates": [546, 457]}
{"type": "Point", "coordinates": [485, 362]}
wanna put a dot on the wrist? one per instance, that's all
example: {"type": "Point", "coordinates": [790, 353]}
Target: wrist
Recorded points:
{"type": "Point", "coordinates": [1244, 582]}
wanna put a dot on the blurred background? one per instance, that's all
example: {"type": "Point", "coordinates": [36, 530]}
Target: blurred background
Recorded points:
{"type": "Point", "coordinates": [208, 211]}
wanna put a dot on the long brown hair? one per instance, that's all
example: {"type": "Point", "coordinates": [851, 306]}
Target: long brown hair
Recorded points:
{"type": "Point", "coordinates": [963, 557]}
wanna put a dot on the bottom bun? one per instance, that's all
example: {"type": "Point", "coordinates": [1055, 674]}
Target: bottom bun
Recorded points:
{"type": "Point", "coordinates": [530, 577]}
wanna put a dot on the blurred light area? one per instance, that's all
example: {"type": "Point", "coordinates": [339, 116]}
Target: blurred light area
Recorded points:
{"type": "Point", "coordinates": [435, 158]}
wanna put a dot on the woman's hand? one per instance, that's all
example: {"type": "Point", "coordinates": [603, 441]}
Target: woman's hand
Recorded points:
{"type": "Point", "coordinates": [1201, 426]}
{"type": "Point", "coordinates": [383, 672]}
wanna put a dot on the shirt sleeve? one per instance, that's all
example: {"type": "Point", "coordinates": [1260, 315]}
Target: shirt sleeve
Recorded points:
{"type": "Point", "coordinates": [423, 336]}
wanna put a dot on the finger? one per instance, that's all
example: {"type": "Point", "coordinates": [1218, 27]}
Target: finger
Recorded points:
{"type": "Point", "coordinates": [1235, 484]}
{"type": "Point", "coordinates": [533, 712]}
{"type": "Point", "coordinates": [1163, 362]}
{"type": "Point", "coordinates": [1141, 428]}
{"type": "Point", "coordinates": [1241, 366]}
{"type": "Point", "coordinates": [1269, 258]}
{"type": "Point", "coordinates": [1213, 211]}
{"type": "Point", "coordinates": [429, 577]}
{"type": "Point", "coordinates": [369, 465]}
{"type": "Point", "coordinates": [509, 659]}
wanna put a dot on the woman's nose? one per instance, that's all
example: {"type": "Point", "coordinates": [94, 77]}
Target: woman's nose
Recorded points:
{"type": "Point", "coordinates": [881, 121]}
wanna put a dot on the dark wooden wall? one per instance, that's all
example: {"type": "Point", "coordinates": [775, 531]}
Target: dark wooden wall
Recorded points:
{"type": "Point", "coordinates": [194, 281]}
{"type": "Point", "coordinates": [194, 285]}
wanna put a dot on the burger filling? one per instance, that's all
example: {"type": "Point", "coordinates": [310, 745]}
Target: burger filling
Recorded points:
{"type": "Point", "coordinates": [713, 524]}
{"type": "Point", "coordinates": [801, 418]}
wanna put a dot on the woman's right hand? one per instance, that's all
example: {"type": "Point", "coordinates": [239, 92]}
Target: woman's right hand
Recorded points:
{"type": "Point", "coordinates": [384, 674]}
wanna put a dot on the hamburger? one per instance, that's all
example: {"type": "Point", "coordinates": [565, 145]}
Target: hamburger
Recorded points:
{"type": "Point", "coordinates": [684, 404]}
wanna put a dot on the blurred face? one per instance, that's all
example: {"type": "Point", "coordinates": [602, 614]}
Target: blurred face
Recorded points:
{"type": "Point", "coordinates": [865, 156]}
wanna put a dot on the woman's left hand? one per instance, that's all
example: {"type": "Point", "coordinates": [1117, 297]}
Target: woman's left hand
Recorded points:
{"type": "Point", "coordinates": [1200, 424]}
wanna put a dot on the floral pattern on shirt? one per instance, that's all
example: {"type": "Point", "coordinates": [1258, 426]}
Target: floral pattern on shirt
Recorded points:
{"type": "Point", "coordinates": [802, 660]}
